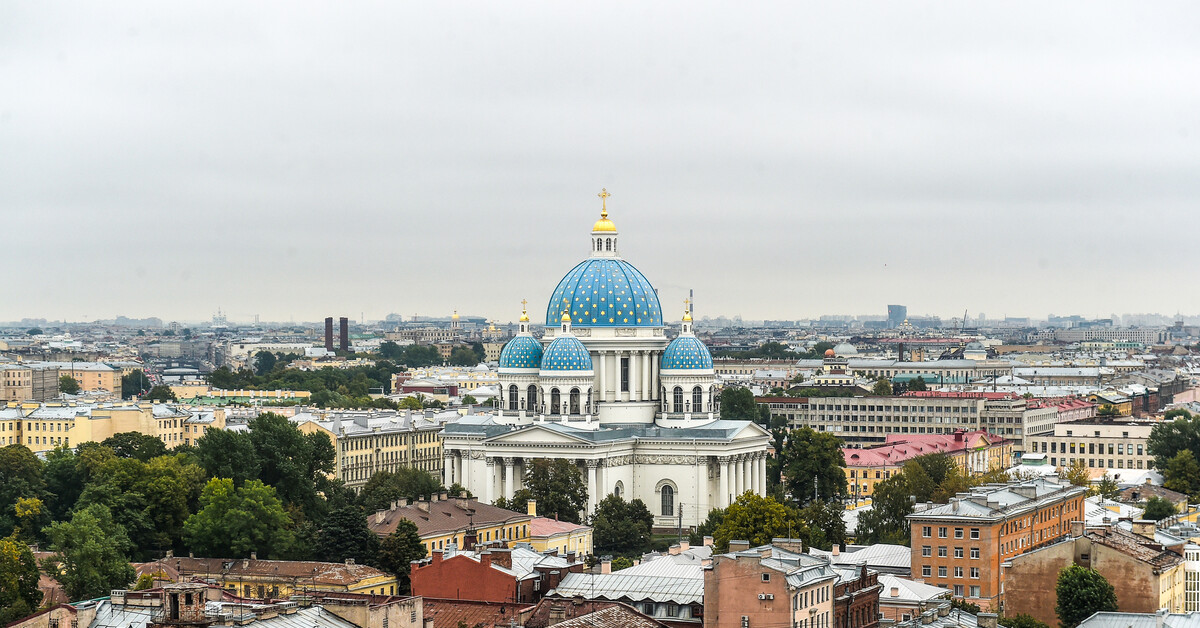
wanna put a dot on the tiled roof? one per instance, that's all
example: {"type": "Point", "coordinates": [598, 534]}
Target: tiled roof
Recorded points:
{"type": "Point", "coordinates": [442, 517]}
{"type": "Point", "coordinates": [318, 573]}
{"type": "Point", "coordinates": [545, 526]}
{"type": "Point", "coordinates": [904, 447]}
{"type": "Point", "coordinates": [452, 613]}
{"type": "Point", "coordinates": [997, 500]}
{"type": "Point", "coordinates": [615, 616]}
{"type": "Point", "coordinates": [1134, 546]}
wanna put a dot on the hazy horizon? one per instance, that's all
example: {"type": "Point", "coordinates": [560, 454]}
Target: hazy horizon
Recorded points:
{"type": "Point", "coordinates": [299, 160]}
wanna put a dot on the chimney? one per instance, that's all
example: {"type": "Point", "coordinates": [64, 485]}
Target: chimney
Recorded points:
{"type": "Point", "coordinates": [837, 550]}
{"type": "Point", "coordinates": [606, 564]}
{"type": "Point", "coordinates": [1077, 528]}
{"type": "Point", "coordinates": [443, 495]}
{"type": "Point", "coordinates": [558, 614]}
{"type": "Point", "coordinates": [986, 620]}
{"type": "Point", "coordinates": [170, 554]}
{"type": "Point", "coordinates": [1147, 481]}
{"type": "Point", "coordinates": [501, 556]}
{"type": "Point", "coordinates": [531, 507]}
{"type": "Point", "coordinates": [792, 545]}
{"type": "Point", "coordinates": [684, 546]}
{"type": "Point", "coordinates": [245, 563]}
{"type": "Point", "coordinates": [433, 497]}
{"type": "Point", "coordinates": [895, 592]}
{"type": "Point", "coordinates": [402, 503]}
{"type": "Point", "coordinates": [1144, 528]}
{"type": "Point", "coordinates": [673, 550]}
{"type": "Point", "coordinates": [927, 617]}
{"type": "Point", "coordinates": [765, 552]}
{"type": "Point", "coordinates": [437, 556]}
{"type": "Point", "coordinates": [739, 546]}
{"type": "Point", "coordinates": [485, 559]}
{"type": "Point", "coordinates": [708, 541]}
{"type": "Point", "coordinates": [943, 610]}
{"type": "Point", "coordinates": [423, 506]}
{"type": "Point", "coordinates": [349, 561]}
{"type": "Point", "coordinates": [253, 555]}
{"type": "Point", "coordinates": [380, 515]}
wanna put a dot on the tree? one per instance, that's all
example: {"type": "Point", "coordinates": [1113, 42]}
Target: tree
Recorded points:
{"type": "Point", "coordinates": [463, 356]}
{"type": "Point", "coordinates": [90, 554]}
{"type": "Point", "coordinates": [1022, 620]}
{"type": "Point", "coordinates": [160, 393]}
{"type": "Point", "coordinates": [965, 606]}
{"type": "Point", "coordinates": [737, 403]}
{"type": "Point", "coordinates": [886, 521]}
{"type": "Point", "coordinates": [345, 534]}
{"type": "Point", "coordinates": [621, 527]}
{"type": "Point", "coordinates": [621, 562]}
{"type": "Point", "coordinates": [135, 445]}
{"type": "Point", "coordinates": [1170, 437]}
{"type": "Point", "coordinates": [64, 479]}
{"type": "Point", "coordinates": [825, 523]}
{"type": "Point", "coordinates": [264, 362]}
{"type": "Point", "coordinates": [411, 403]}
{"type": "Point", "coordinates": [398, 550]}
{"type": "Point", "coordinates": [558, 487]}
{"type": "Point", "coordinates": [290, 460]}
{"type": "Point", "coordinates": [1107, 487]}
{"type": "Point", "coordinates": [708, 528]}
{"type": "Point", "coordinates": [68, 385]}
{"type": "Point", "coordinates": [1108, 410]}
{"type": "Point", "coordinates": [813, 461]}
{"type": "Point", "coordinates": [1183, 474]}
{"type": "Point", "coordinates": [757, 519]}
{"type": "Point", "coordinates": [882, 388]}
{"type": "Point", "coordinates": [1158, 508]}
{"type": "Point", "coordinates": [385, 487]}
{"type": "Point", "coordinates": [232, 522]}
{"type": "Point", "coordinates": [19, 593]}
{"type": "Point", "coordinates": [918, 384]}
{"type": "Point", "coordinates": [1082, 592]}
{"type": "Point", "coordinates": [468, 400]}
{"type": "Point", "coordinates": [20, 477]}
{"type": "Point", "coordinates": [1077, 473]}
{"type": "Point", "coordinates": [391, 350]}
{"type": "Point", "coordinates": [225, 454]}
{"type": "Point", "coordinates": [134, 384]}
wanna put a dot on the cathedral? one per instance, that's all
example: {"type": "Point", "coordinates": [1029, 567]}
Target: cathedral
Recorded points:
{"type": "Point", "coordinates": [605, 389]}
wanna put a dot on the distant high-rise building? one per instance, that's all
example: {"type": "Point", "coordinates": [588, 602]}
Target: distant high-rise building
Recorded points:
{"type": "Point", "coordinates": [329, 333]}
{"type": "Point", "coordinates": [897, 314]}
{"type": "Point", "coordinates": [344, 334]}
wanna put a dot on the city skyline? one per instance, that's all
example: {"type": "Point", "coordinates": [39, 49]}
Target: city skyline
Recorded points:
{"type": "Point", "coordinates": [783, 162]}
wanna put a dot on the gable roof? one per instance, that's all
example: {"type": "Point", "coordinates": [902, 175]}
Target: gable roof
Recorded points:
{"type": "Point", "coordinates": [443, 516]}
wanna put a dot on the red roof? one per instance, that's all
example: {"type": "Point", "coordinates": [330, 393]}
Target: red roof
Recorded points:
{"type": "Point", "coordinates": [904, 447]}
{"type": "Point", "coordinates": [960, 395]}
{"type": "Point", "coordinates": [545, 526]}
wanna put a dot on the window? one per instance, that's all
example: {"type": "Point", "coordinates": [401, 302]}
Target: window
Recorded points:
{"type": "Point", "coordinates": [958, 590]}
{"type": "Point", "coordinates": [958, 552]}
{"type": "Point", "coordinates": [668, 502]}
{"type": "Point", "coordinates": [926, 551]}
{"type": "Point", "coordinates": [697, 399]}
{"type": "Point", "coordinates": [766, 577]}
{"type": "Point", "coordinates": [678, 399]}
{"type": "Point", "coordinates": [624, 374]}
{"type": "Point", "coordinates": [975, 573]}
{"type": "Point", "coordinates": [926, 571]}
{"type": "Point", "coordinates": [926, 531]}
{"type": "Point", "coordinates": [975, 591]}
{"type": "Point", "coordinates": [958, 533]}
{"type": "Point", "coordinates": [975, 553]}
{"type": "Point", "coordinates": [942, 571]}
{"type": "Point", "coordinates": [958, 572]}
{"type": "Point", "coordinates": [941, 551]}
{"type": "Point", "coordinates": [941, 533]}
{"type": "Point", "coordinates": [974, 533]}
{"type": "Point", "coordinates": [648, 609]}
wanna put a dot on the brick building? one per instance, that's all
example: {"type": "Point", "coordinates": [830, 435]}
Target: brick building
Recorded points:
{"type": "Point", "coordinates": [492, 575]}
{"type": "Point", "coordinates": [856, 598]}
{"type": "Point", "coordinates": [960, 545]}
{"type": "Point", "coordinates": [772, 585]}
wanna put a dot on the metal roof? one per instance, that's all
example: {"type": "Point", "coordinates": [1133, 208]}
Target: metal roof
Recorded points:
{"type": "Point", "coordinates": [1142, 620]}
{"type": "Point", "coordinates": [634, 588]}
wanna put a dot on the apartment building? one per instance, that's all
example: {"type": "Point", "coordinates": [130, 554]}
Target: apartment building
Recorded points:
{"type": "Point", "coordinates": [974, 452]}
{"type": "Point", "coordinates": [92, 376]}
{"type": "Point", "coordinates": [44, 426]}
{"type": "Point", "coordinates": [868, 421]}
{"type": "Point", "coordinates": [773, 585]}
{"type": "Point", "coordinates": [933, 371]}
{"type": "Point", "coordinates": [19, 382]}
{"type": "Point", "coordinates": [961, 545]}
{"type": "Point", "coordinates": [370, 441]}
{"type": "Point", "coordinates": [1105, 445]}
{"type": "Point", "coordinates": [444, 521]}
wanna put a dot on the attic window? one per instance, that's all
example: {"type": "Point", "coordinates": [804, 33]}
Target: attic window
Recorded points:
{"type": "Point", "coordinates": [766, 577]}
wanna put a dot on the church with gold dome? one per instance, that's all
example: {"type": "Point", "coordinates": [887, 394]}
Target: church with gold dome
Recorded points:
{"type": "Point", "coordinates": [606, 388]}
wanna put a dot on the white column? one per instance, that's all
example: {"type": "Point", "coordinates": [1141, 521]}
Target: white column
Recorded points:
{"type": "Point", "coordinates": [447, 468]}
{"type": "Point", "coordinates": [489, 481]}
{"type": "Point", "coordinates": [508, 478]}
{"type": "Point", "coordinates": [702, 494]}
{"type": "Point", "coordinates": [601, 481]}
{"type": "Point", "coordinates": [762, 473]}
{"type": "Point", "coordinates": [754, 473]}
{"type": "Point", "coordinates": [591, 483]}
{"type": "Point", "coordinates": [748, 483]}
{"type": "Point", "coordinates": [655, 383]}
{"type": "Point", "coordinates": [723, 470]}
{"type": "Point", "coordinates": [603, 376]}
{"type": "Point", "coordinates": [738, 486]}
{"type": "Point", "coordinates": [646, 377]}
{"type": "Point", "coordinates": [635, 377]}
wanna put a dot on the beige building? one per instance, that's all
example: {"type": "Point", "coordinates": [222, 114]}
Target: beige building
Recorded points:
{"type": "Point", "coordinates": [1104, 445]}
{"type": "Point", "coordinates": [547, 534]}
{"type": "Point", "coordinates": [370, 441]}
{"type": "Point", "coordinates": [1148, 576]}
{"type": "Point", "coordinates": [92, 376]}
{"type": "Point", "coordinates": [44, 426]}
{"type": "Point", "coordinates": [19, 382]}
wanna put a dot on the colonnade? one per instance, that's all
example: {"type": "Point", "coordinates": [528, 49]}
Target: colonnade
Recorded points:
{"type": "Point", "coordinates": [643, 381]}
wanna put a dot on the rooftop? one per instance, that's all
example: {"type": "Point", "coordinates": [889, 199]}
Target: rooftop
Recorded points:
{"type": "Point", "coordinates": [441, 516]}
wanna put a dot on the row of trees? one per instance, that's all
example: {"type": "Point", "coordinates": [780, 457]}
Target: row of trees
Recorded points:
{"type": "Point", "coordinates": [330, 387]}
{"type": "Point", "coordinates": [779, 351]}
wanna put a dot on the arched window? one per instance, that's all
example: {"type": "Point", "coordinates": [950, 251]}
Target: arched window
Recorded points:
{"type": "Point", "coordinates": [668, 500]}
{"type": "Point", "coordinates": [678, 399]}
{"type": "Point", "coordinates": [618, 489]}
{"type": "Point", "coordinates": [697, 399]}
{"type": "Point", "coordinates": [531, 393]}
{"type": "Point", "coordinates": [575, 401]}
{"type": "Point", "coordinates": [512, 397]}
{"type": "Point", "coordinates": [608, 244]}
{"type": "Point", "coordinates": [555, 402]}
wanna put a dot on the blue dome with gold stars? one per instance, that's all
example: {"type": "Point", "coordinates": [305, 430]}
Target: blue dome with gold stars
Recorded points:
{"type": "Point", "coordinates": [605, 292]}
{"type": "Point", "coordinates": [566, 353]}
{"type": "Point", "coordinates": [687, 353]}
{"type": "Point", "coordinates": [522, 352]}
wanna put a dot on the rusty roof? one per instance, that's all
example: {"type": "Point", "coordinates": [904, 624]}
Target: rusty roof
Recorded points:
{"type": "Point", "coordinates": [453, 613]}
{"type": "Point", "coordinates": [443, 516]}
{"type": "Point", "coordinates": [309, 572]}
{"type": "Point", "coordinates": [1134, 546]}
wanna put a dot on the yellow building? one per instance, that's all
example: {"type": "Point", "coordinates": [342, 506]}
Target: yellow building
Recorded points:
{"type": "Point", "coordinates": [92, 376]}
{"type": "Point", "coordinates": [192, 391]}
{"type": "Point", "coordinates": [1120, 402]}
{"type": "Point", "coordinates": [551, 534]}
{"type": "Point", "coordinates": [459, 520]}
{"type": "Point", "coordinates": [974, 452]}
{"type": "Point", "coordinates": [370, 441]}
{"type": "Point", "coordinates": [44, 426]}
{"type": "Point", "coordinates": [266, 579]}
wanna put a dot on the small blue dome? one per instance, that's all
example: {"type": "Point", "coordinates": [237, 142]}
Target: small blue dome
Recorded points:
{"type": "Point", "coordinates": [522, 352]}
{"type": "Point", "coordinates": [566, 353]}
{"type": "Point", "coordinates": [686, 353]}
{"type": "Point", "coordinates": [605, 292]}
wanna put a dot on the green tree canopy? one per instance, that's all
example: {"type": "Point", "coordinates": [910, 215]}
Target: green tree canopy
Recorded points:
{"type": "Point", "coordinates": [825, 523]}
{"type": "Point", "coordinates": [882, 388]}
{"type": "Point", "coordinates": [886, 520]}
{"type": "Point", "coordinates": [758, 519]}
{"type": "Point", "coordinates": [558, 487]}
{"type": "Point", "coordinates": [1169, 437]}
{"type": "Point", "coordinates": [813, 461]}
{"type": "Point", "coordinates": [134, 384]}
{"type": "Point", "coordinates": [20, 476]}
{"type": "Point", "coordinates": [226, 454]}
{"type": "Point", "coordinates": [384, 487]}
{"type": "Point", "coordinates": [160, 393]}
{"type": "Point", "coordinates": [708, 527]}
{"type": "Point", "coordinates": [1076, 473]}
{"type": "Point", "coordinates": [68, 385]}
{"type": "Point", "coordinates": [1158, 508]}
{"type": "Point", "coordinates": [398, 550]}
{"type": "Point", "coordinates": [19, 593]}
{"type": "Point", "coordinates": [737, 403]}
{"type": "Point", "coordinates": [135, 445]}
{"type": "Point", "coordinates": [918, 384]}
{"type": "Point", "coordinates": [1183, 474]}
{"type": "Point", "coordinates": [1022, 620]}
{"type": "Point", "coordinates": [621, 527]}
{"type": "Point", "coordinates": [233, 522]}
{"type": "Point", "coordinates": [290, 461]}
{"type": "Point", "coordinates": [264, 362]}
{"type": "Point", "coordinates": [344, 534]}
{"type": "Point", "coordinates": [1081, 593]}
{"type": "Point", "coordinates": [91, 554]}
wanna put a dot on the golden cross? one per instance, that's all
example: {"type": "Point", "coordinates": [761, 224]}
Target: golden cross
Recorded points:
{"type": "Point", "coordinates": [687, 305]}
{"type": "Point", "coordinates": [523, 304]}
{"type": "Point", "coordinates": [604, 202]}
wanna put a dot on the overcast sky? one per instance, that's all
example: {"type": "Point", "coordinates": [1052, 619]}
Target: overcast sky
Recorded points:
{"type": "Point", "coordinates": [297, 160]}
